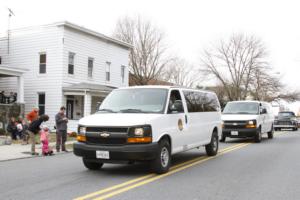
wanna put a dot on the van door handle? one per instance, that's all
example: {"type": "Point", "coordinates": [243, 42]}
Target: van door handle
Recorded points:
{"type": "Point", "coordinates": [186, 120]}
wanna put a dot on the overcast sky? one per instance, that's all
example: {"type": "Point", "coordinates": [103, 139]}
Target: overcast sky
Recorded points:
{"type": "Point", "coordinates": [190, 25]}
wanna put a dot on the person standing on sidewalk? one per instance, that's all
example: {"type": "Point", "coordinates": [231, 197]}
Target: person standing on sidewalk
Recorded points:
{"type": "Point", "coordinates": [61, 129]}
{"type": "Point", "coordinates": [34, 129]}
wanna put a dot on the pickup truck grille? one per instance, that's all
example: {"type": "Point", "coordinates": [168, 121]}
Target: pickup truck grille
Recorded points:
{"type": "Point", "coordinates": [106, 135]}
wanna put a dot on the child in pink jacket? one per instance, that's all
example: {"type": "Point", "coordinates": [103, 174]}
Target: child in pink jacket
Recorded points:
{"type": "Point", "coordinates": [46, 150]}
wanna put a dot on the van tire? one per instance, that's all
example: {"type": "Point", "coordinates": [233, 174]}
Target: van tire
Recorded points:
{"type": "Point", "coordinates": [162, 162]}
{"type": "Point", "coordinates": [258, 136]}
{"type": "Point", "coordinates": [213, 146]}
{"type": "Point", "coordinates": [295, 129]}
{"type": "Point", "coordinates": [271, 133]}
{"type": "Point", "coordinates": [92, 165]}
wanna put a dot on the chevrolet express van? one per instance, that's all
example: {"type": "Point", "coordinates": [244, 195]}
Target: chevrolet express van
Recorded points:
{"type": "Point", "coordinates": [247, 119]}
{"type": "Point", "coordinates": [149, 123]}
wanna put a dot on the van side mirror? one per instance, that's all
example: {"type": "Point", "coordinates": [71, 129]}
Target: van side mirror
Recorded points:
{"type": "Point", "coordinates": [176, 106]}
{"type": "Point", "coordinates": [263, 111]}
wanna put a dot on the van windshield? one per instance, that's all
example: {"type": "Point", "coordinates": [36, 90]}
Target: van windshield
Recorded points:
{"type": "Point", "coordinates": [250, 108]}
{"type": "Point", "coordinates": [140, 100]}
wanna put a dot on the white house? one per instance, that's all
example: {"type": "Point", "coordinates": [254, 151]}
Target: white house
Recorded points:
{"type": "Point", "coordinates": [63, 64]}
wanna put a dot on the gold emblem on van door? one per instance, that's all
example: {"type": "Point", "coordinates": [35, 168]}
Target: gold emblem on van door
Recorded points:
{"type": "Point", "coordinates": [180, 125]}
{"type": "Point", "coordinates": [104, 134]}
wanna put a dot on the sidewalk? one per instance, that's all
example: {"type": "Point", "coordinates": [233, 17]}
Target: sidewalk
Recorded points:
{"type": "Point", "coordinates": [19, 151]}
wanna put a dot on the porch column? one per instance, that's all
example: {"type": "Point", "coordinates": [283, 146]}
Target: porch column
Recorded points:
{"type": "Point", "coordinates": [87, 104]}
{"type": "Point", "coordinates": [20, 95]}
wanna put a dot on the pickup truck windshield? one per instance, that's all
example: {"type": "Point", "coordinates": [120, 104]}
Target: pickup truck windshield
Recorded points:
{"type": "Point", "coordinates": [249, 108]}
{"type": "Point", "coordinates": [141, 100]}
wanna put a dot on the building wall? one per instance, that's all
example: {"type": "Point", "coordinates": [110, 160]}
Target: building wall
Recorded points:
{"type": "Point", "coordinates": [25, 46]}
{"type": "Point", "coordinates": [85, 46]}
{"type": "Point", "coordinates": [57, 42]}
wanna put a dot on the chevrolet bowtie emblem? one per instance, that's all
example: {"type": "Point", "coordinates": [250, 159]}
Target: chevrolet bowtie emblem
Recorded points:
{"type": "Point", "coordinates": [235, 124]}
{"type": "Point", "coordinates": [104, 134]}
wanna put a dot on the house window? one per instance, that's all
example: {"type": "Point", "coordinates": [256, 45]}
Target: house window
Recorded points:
{"type": "Point", "coordinates": [90, 67]}
{"type": "Point", "coordinates": [41, 103]}
{"type": "Point", "coordinates": [43, 58]}
{"type": "Point", "coordinates": [123, 73]}
{"type": "Point", "coordinates": [107, 71]}
{"type": "Point", "coordinates": [71, 63]}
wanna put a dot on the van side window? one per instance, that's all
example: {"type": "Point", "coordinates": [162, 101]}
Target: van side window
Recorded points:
{"type": "Point", "coordinates": [201, 101]}
{"type": "Point", "coordinates": [194, 101]}
{"type": "Point", "coordinates": [211, 103]}
{"type": "Point", "coordinates": [175, 102]}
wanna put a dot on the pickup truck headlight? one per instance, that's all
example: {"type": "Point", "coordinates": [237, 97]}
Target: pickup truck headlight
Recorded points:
{"type": "Point", "coordinates": [140, 134]}
{"type": "Point", "coordinates": [81, 134]}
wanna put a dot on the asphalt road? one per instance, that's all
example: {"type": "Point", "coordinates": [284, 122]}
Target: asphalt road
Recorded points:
{"type": "Point", "coordinates": [243, 170]}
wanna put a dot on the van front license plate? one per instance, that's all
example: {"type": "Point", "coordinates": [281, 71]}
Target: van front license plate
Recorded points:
{"type": "Point", "coordinates": [102, 154]}
{"type": "Point", "coordinates": [234, 133]}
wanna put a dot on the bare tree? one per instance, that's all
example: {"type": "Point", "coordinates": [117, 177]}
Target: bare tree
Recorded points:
{"type": "Point", "coordinates": [182, 73]}
{"type": "Point", "coordinates": [240, 65]}
{"type": "Point", "coordinates": [148, 57]}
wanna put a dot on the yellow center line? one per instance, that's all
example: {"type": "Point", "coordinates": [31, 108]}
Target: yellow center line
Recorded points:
{"type": "Point", "coordinates": [90, 195]}
{"type": "Point", "coordinates": [167, 174]}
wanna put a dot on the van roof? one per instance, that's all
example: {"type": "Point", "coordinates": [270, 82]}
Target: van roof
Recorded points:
{"type": "Point", "coordinates": [164, 87]}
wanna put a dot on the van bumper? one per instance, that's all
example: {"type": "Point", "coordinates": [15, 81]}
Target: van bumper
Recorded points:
{"type": "Point", "coordinates": [242, 133]}
{"type": "Point", "coordinates": [117, 154]}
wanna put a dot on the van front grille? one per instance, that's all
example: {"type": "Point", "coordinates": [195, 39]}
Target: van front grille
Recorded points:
{"type": "Point", "coordinates": [106, 135]}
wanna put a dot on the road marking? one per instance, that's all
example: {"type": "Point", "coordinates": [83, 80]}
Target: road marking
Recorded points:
{"type": "Point", "coordinates": [91, 195]}
{"type": "Point", "coordinates": [203, 159]}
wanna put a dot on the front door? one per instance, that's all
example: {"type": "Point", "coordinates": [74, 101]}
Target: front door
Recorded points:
{"type": "Point", "coordinates": [70, 108]}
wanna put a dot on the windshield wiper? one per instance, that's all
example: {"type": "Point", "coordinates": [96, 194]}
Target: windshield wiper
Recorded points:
{"type": "Point", "coordinates": [106, 110]}
{"type": "Point", "coordinates": [131, 110]}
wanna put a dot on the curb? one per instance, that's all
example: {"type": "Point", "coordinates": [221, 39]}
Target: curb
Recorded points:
{"type": "Point", "coordinates": [31, 157]}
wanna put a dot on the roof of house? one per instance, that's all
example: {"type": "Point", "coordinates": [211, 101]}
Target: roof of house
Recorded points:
{"type": "Point", "coordinates": [88, 87]}
{"type": "Point", "coordinates": [81, 29]}
{"type": "Point", "coordinates": [6, 71]}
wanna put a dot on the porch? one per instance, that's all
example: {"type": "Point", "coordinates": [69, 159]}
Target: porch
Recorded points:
{"type": "Point", "coordinates": [82, 100]}
{"type": "Point", "coordinates": [8, 97]}
{"type": "Point", "coordinates": [11, 101]}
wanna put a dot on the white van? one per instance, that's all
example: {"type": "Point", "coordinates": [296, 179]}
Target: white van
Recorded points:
{"type": "Point", "coordinates": [149, 123]}
{"type": "Point", "coordinates": [245, 119]}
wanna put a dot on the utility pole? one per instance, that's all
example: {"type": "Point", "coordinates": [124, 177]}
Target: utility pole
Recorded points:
{"type": "Point", "coordinates": [10, 14]}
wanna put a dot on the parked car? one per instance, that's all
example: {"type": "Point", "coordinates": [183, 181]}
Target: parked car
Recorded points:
{"type": "Point", "coordinates": [247, 119]}
{"type": "Point", "coordinates": [286, 119]}
{"type": "Point", "coordinates": [149, 123]}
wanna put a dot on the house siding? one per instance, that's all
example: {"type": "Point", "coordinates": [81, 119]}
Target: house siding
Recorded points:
{"type": "Point", "coordinates": [85, 46]}
{"type": "Point", "coordinates": [57, 41]}
{"type": "Point", "coordinates": [25, 46]}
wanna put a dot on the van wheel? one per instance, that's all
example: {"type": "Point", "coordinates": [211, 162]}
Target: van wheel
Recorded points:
{"type": "Point", "coordinates": [161, 163]}
{"type": "Point", "coordinates": [295, 129]}
{"type": "Point", "coordinates": [213, 146]}
{"type": "Point", "coordinates": [271, 133]}
{"type": "Point", "coordinates": [92, 165]}
{"type": "Point", "coordinates": [258, 136]}
{"type": "Point", "coordinates": [223, 138]}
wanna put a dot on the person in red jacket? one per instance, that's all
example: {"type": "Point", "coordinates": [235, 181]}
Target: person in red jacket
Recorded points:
{"type": "Point", "coordinates": [33, 115]}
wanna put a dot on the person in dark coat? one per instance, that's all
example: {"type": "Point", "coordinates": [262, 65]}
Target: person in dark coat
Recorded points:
{"type": "Point", "coordinates": [61, 129]}
{"type": "Point", "coordinates": [34, 129]}
{"type": "Point", "coordinates": [12, 128]}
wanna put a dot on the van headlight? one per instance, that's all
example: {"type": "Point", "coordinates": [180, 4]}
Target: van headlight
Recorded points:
{"type": "Point", "coordinates": [81, 134]}
{"type": "Point", "coordinates": [82, 130]}
{"type": "Point", "coordinates": [251, 124]}
{"type": "Point", "coordinates": [140, 134]}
